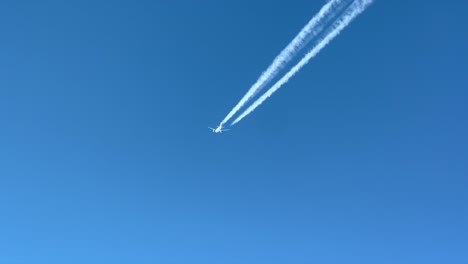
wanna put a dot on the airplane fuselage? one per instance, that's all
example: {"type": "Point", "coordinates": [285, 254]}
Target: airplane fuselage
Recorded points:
{"type": "Point", "coordinates": [219, 129]}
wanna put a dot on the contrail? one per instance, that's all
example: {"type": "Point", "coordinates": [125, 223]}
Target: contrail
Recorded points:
{"type": "Point", "coordinates": [351, 12]}
{"type": "Point", "coordinates": [311, 29]}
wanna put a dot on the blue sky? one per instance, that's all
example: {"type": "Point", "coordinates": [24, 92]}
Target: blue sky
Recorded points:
{"type": "Point", "coordinates": [106, 157]}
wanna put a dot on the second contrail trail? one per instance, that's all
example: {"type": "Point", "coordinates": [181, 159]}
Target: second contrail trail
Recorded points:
{"type": "Point", "coordinates": [351, 12]}
{"type": "Point", "coordinates": [310, 30]}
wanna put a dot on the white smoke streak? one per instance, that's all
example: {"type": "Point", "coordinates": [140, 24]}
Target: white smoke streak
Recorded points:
{"type": "Point", "coordinates": [310, 30]}
{"type": "Point", "coordinates": [351, 12]}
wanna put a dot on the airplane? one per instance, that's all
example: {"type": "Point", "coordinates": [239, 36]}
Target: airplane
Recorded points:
{"type": "Point", "coordinates": [219, 129]}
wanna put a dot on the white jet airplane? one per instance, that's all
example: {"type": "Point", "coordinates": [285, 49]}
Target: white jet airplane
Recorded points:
{"type": "Point", "coordinates": [219, 129]}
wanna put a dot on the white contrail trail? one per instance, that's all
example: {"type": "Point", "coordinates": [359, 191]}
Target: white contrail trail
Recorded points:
{"type": "Point", "coordinates": [353, 10]}
{"type": "Point", "coordinates": [311, 29]}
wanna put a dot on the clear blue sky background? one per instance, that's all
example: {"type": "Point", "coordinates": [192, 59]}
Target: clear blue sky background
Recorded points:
{"type": "Point", "coordinates": [105, 155]}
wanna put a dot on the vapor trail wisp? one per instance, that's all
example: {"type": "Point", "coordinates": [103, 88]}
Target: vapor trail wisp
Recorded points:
{"type": "Point", "coordinates": [311, 29]}
{"type": "Point", "coordinates": [351, 12]}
